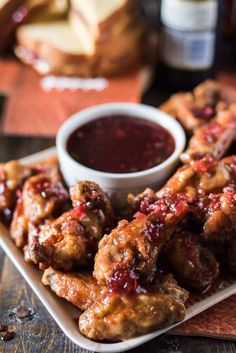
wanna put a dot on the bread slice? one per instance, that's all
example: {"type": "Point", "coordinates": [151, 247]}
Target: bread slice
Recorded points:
{"type": "Point", "coordinates": [58, 35]}
{"type": "Point", "coordinates": [55, 48]}
{"type": "Point", "coordinates": [111, 25]}
{"type": "Point", "coordinates": [52, 48]}
{"type": "Point", "coordinates": [101, 16]}
{"type": "Point", "coordinates": [81, 45]}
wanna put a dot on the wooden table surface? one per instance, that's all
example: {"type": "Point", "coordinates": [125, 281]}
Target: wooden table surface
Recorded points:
{"type": "Point", "coordinates": [41, 334]}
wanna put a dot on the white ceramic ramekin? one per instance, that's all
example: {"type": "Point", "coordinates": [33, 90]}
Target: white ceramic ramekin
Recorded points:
{"type": "Point", "coordinates": [119, 185]}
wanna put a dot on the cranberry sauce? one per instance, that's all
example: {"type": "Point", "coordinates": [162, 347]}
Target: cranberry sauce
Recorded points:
{"type": "Point", "coordinates": [120, 144]}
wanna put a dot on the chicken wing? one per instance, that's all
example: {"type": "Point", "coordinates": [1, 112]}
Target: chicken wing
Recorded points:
{"type": "Point", "coordinates": [202, 177]}
{"type": "Point", "coordinates": [19, 225]}
{"type": "Point", "coordinates": [117, 317]}
{"type": "Point", "coordinates": [194, 265]}
{"type": "Point", "coordinates": [108, 316]}
{"type": "Point", "coordinates": [219, 214]}
{"type": "Point", "coordinates": [196, 109]}
{"type": "Point", "coordinates": [90, 194]}
{"type": "Point", "coordinates": [127, 257]}
{"type": "Point", "coordinates": [43, 197]}
{"type": "Point", "coordinates": [71, 240]}
{"type": "Point", "coordinates": [12, 176]}
{"type": "Point", "coordinates": [213, 138]}
{"type": "Point", "coordinates": [80, 289]}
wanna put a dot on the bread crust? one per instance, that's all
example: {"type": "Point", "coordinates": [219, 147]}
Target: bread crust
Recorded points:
{"type": "Point", "coordinates": [7, 25]}
{"type": "Point", "coordinates": [8, 9]}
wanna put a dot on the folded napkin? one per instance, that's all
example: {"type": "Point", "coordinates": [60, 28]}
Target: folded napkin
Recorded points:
{"type": "Point", "coordinates": [219, 321]}
{"type": "Point", "coordinates": [37, 106]}
{"type": "Point", "coordinates": [9, 70]}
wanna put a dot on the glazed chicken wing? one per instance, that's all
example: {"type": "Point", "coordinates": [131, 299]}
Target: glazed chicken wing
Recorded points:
{"type": "Point", "coordinates": [80, 289]}
{"type": "Point", "coordinates": [219, 214]}
{"type": "Point", "coordinates": [196, 109]}
{"type": "Point", "coordinates": [202, 177]}
{"type": "Point", "coordinates": [194, 265]}
{"type": "Point", "coordinates": [19, 225]}
{"type": "Point", "coordinates": [91, 195]}
{"type": "Point", "coordinates": [12, 176]}
{"type": "Point", "coordinates": [117, 317]}
{"type": "Point", "coordinates": [43, 197]}
{"type": "Point", "coordinates": [71, 240]}
{"type": "Point", "coordinates": [110, 316]}
{"type": "Point", "coordinates": [214, 138]}
{"type": "Point", "coordinates": [183, 253]}
{"type": "Point", "coordinates": [127, 256]}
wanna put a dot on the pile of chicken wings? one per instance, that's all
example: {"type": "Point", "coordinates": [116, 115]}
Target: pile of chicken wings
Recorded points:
{"type": "Point", "coordinates": [123, 276]}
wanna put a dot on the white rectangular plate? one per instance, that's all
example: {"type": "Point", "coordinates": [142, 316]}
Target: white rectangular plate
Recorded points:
{"type": "Point", "coordinates": [65, 313]}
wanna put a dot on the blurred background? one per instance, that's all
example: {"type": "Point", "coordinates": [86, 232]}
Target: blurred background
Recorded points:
{"type": "Point", "coordinates": [60, 56]}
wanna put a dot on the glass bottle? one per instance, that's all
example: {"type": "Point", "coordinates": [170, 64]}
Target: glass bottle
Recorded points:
{"type": "Point", "coordinates": [189, 41]}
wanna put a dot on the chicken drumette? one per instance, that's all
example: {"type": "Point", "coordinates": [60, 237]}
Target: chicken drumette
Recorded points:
{"type": "Point", "coordinates": [113, 316]}
{"type": "Point", "coordinates": [127, 256]}
{"type": "Point", "coordinates": [198, 179]}
{"type": "Point", "coordinates": [213, 138]}
{"type": "Point", "coordinates": [202, 177]}
{"type": "Point", "coordinates": [71, 240]}
{"type": "Point", "coordinates": [184, 253]}
{"type": "Point", "coordinates": [193, 264]}
{"type": "Point", "coordinates": [80, 289]}
{"type": "Point", "coordinates": [196, 109]}
{"type": "Point", "coordinates": [43, 198]}
{"type": "Point", "coordinates": [117, 317]}
{"type": "Point", "coordinates": [12, 176]}
{"type": "Point", "coordinates": [218, 213]}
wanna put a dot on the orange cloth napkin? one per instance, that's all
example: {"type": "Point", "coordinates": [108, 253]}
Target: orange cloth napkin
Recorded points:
{"type": "Point", "coordinates": [218, 321]}
{"type": "Point", "coordinates": [32, 111]}
{"type": "Point", "coordinates": [9, 70]}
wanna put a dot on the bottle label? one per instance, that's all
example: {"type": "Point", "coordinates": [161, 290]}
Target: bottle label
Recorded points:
{"type": "Point", "coordinates": [188, 33]}
{"type": "Point", "coordinates": [188, 50]}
